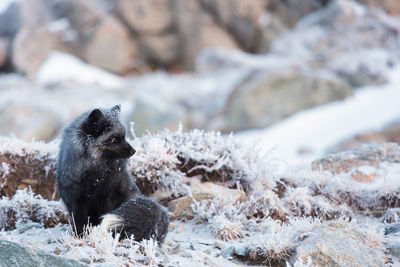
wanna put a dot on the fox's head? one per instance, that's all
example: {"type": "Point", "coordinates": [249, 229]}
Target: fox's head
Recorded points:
{"type": "Point", "coordinates": [106, 134]}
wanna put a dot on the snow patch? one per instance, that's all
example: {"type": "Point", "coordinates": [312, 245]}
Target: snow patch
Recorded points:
{"type": "Point", "coordinates": [62, 67]}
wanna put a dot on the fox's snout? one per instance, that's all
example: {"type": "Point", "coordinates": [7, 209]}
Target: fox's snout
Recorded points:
{"type": "Point", "coordinates": [131, 150]}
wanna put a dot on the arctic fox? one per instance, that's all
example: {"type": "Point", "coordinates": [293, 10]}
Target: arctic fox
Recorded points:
{"type": "Point", "coordinates": [93, 179]}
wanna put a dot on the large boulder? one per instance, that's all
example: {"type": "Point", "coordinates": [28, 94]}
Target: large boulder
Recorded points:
{"type": "Point", "coordinates": [14, 254]}
{"type": "Point", "coordinates": [161, 49]}
{"type": "Point", "coordinates": [111, 47]}
{"type": "Point", "coordinates": [31, 48]}
{"type": "Point", "coordinates": [40, 33]}
{"type": "Point", "coordinates": [272, 97]}
{"type": "Point", "coordinates": [153, 114]}
{"type": "Point", "coordinates": [239, 17]}
{"type": "Point", "coordinates": [198, 30]}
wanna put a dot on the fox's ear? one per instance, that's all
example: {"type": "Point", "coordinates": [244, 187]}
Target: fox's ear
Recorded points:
{"type": "Point", "coordinates": [116, 109]}
{"type": "Point", "coordinates": [95, 116]}
{"type": "Point", "coordinates": [94, 124]}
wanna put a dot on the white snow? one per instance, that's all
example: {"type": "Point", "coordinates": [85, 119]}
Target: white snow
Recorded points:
{"type": "Point", "coordinates": [61, 67]}
{"type": "Point", "coordinates": [15, 146]}
{"type": "Point", "coordinates": [318, 129]}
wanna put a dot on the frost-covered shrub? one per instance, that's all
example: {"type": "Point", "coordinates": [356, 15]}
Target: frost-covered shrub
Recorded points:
{"type": "Point", "coordinates": [27, 165]}
{"type": "Point", "coordinates": [164, 158]}
{"type": "Point", "coordinates": [274, 241]}
{"type": "Point", "coordinates": [25, 206]}
{"type": "Point", "coordinates": [101, 247]}
{"type": "Point", "coordinates": [342, 194]}
{"type": "Point", "coordinates": [226, 229]}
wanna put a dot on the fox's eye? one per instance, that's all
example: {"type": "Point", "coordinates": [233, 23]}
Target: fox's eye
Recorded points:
{"type": "Point", "coordinates": [113, 139]}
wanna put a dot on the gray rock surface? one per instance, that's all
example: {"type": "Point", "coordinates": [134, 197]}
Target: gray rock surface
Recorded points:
{"type": "Point", "coordinates": [277, 95]}
{"type": "Point", "coordinates": [152, 114]}
{"type": "Point", "coordinates": [13, 254]}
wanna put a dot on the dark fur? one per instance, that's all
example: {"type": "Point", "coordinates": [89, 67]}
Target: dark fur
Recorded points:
{"type": "Point", "coordinates": [151, 219]}
{"type": "Point", "coordinates": [92, 175]}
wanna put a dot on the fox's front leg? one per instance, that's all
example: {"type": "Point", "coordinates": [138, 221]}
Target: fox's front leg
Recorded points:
{"type": "Point", "coordinates": [79, 217]}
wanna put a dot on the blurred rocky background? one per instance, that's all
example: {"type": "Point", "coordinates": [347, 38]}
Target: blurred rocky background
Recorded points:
{"type": "Point", "coordinates": [226, 65]}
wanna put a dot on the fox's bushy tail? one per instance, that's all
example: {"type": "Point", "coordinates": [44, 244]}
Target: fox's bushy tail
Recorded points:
{"type": "Point", "coordinates": [141, 217]}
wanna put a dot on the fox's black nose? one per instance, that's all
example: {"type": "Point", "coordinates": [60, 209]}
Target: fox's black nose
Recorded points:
{"type": "Point", "coordinates": [132, 151]}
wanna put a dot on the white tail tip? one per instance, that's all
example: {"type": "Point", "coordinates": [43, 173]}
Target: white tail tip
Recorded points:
{"type": "Point", "coordinates": [111, 221]}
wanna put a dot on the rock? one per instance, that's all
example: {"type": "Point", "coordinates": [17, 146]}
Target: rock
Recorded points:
{"type": "Point", "coordinates": [335, 244]}
{"type": "Point", "coordinates": [182, 207]}
{"type": "Point", "coordinates": [145, 17]}
{"type": "Point", "coordinates": [365, 155]}
{"type": "Point", "coordinates": [391, 7]}
{"type": "Point", "coordinates": [32, 165]}
{"type": "Point", "coordinates": [270, 98]}
{"type": "Point", "coordinates": [212, 35]}
{"type": "Point", "coordinates": [198, 30]}
{"type": "Point", "coordinates": [28, 122]}
{"type": "Point", "coordinates": [152, 114]}
{"type": "Point", "coordinates": [228, 252]}
{"type": "Point", "coordinates": [392, 228]}
{"type": "Point", "coordinates": [32, 46]}
{"type": "Point", "coordinates": [162, 49]}
{"type": "Point", "coordinates": [241, 18]}
{"type": "Point", "coordinates": [4, 48]}
{"type": "Point", "coordinates": [14, 254]}
{"type": "Point", "coordinates": [111, 47]}
{"type": "Point", "coordinates": [228, 195]}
